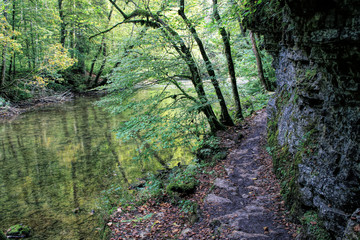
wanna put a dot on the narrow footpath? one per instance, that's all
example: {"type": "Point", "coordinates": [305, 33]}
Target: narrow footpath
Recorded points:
{"type": "Point", "coordinates": [246, 200]}
{"type": "Point", "coordinates": [238, 198]}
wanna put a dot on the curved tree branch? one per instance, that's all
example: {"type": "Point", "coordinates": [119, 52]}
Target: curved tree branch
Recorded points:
{"type": "Point", "coordinates": [107, 30]}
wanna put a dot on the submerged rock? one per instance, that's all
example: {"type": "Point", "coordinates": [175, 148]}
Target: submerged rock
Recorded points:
{"type": "Point", "coordinates": [18, 231]}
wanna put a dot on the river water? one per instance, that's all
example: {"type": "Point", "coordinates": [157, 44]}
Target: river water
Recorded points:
{"type": "Point", "coordinates": [54, 164]}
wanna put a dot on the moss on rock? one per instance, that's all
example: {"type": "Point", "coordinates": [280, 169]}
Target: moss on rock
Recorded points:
{"type": "Point", "coordinates": [18, 231]}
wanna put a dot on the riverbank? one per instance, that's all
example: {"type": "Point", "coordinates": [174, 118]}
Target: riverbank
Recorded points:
{"type": "Point", "coordinates": [235, 198]}
{"type": "Point", "coordinates": [11, 110]}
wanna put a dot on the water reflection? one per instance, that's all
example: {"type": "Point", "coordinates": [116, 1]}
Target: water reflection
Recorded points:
{"type": "Point", "coordinates": [54, 162]}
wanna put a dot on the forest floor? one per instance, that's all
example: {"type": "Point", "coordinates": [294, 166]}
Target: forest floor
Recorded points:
{"type": "Point", "coordinates": [238, 198]}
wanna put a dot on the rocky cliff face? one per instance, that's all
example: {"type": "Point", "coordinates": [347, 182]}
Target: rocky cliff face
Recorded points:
{"type": "Point", "coordinates": [314, 123]}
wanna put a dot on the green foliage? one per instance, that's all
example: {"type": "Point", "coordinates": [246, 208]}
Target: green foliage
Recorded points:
{"type": "Point", "coordinates": [209, 151]}
{"type": "Point", "coordinates": [19, 231]}
{"type": "Point", "coordinates": [153, 189]}
{"type": "Point", "coordinates": [3, 102]}
{"type": "Point", "coordinates": [2, 236]}
{"type": "Point", "coordinates": [54, 62]}
{"type": "Point", "coordinates": [188, 206]}
{"type": "Point", "coordinates": [183, 181]}
{"type": "Point", "coordinates": [139, 219]}
{"type": "Point", "coordinates": [191, 208]}
{"type": "Point", "coordinates": [112, 198]}
{"type": "Point", "coordinates": [57, 87]}
{"type": "Point", "coordinates": [314, 227]}
{"type": "Point", "coordinates": [162, 114]}
{"type": "Point", "coordinates": [18, 93]}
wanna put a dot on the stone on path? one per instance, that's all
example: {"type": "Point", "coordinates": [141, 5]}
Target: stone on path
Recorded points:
{"type": "Point", "coordinates": [212, 198]}
{"type": "Point", "coordinates": [244, 235]}
{"type": "Point", "coordinates": [222, 183]}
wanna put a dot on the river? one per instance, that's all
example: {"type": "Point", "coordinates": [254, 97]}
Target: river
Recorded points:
{"type": "Point", "coordinates": [55, 162]}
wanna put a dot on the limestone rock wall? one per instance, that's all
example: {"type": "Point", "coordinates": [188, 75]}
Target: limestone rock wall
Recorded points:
{"type": "Point", "coordinates": [315, 114]}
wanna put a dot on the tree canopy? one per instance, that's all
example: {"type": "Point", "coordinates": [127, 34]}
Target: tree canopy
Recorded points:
{"type": "Point", "coordinates": [188, 53]}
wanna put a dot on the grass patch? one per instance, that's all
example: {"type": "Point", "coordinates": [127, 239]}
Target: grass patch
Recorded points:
{"type": "Point", "coordinates": [313, 227]}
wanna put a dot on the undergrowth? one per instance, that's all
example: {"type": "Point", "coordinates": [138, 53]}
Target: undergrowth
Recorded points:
{"type": "Point", "coordinates": [169, 185]}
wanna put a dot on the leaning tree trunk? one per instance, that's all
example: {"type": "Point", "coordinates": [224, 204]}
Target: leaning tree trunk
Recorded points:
{"type": "Point", "coordinates": [102, 49]}
{"type": "Point", "coordinates": [260, 69]}
{"type": "Point", "coordinates": [179, 45]}
{"type": "Point", "coordinates": [89, 82]}
{"type": "Point", "coordinates": [225, 116]}
{"type": "Point", "coordinates": [185, 54]}
{"type": "Point", "coordinates": [230, 63]}
{"type": "Point", "coordinates": [102, 67]}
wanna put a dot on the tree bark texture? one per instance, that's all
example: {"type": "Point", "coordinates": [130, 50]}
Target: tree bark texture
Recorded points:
{"type": "Point", "coordinates": [62, 24]}
{"type": "Point", "coordinates": [179, 45]}
{"type": "Point", "coordinates": [230, 63]}
{"type": "Point", "coordinates": [260, 69]}
{"type": "Point", "coordinates": [225, 116]}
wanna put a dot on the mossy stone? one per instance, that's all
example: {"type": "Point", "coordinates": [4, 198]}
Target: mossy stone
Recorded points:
{"type": "Point", "coordinates": [19, 231]}
{"type": "Point", "coordinates": [182, 187]}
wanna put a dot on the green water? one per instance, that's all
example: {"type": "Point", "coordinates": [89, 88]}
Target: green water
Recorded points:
{"type": "Point", "coordinates": [56, 161]}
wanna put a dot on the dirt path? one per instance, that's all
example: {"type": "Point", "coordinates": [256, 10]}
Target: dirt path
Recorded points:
{"type": "Point", "coordinates": [238, 198]}
{"type": "Point", "coordinates": [246, 199]}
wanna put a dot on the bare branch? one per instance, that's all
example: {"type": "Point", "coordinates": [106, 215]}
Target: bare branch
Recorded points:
{"type": "Point", "coordinates": [118, 8]}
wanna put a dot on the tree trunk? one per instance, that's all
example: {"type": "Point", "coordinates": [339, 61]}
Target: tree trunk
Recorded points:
{"type": "Point", "coordinates": [89, 82]}
{"type": "Point", "coordinates": [3, 67]}
{"type": "Point", "coordinates": [102, 49]}
{"type": "Point", "coordinates": [4, 53]}
{"type": "Point", "coordinates": [185, 54]}
{"type": "Point", "coordinates": [96, 81]}
{"type": "Point", "coordinates": [12, 67]}
{"type": "Point", "coordinates": [225, 116]}
{"type": "Point", "coordinates": [179, 45]}
{"type": "Point", "coordinates": [230, 63]}
{"type": "Point", "coordinates": [62, 24]}
{"type": "Point", "coordinates": [260, 69]}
